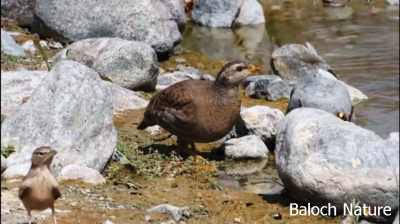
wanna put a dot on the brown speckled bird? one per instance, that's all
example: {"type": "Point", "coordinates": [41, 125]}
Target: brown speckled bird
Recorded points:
{"type": "Point", "coordinates": [198, 110]}
{"type": "Point", "coordinates": [39, 189]}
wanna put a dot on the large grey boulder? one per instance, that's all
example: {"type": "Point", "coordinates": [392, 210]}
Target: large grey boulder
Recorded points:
{"type": "Point", "coordinates": [71, 111]}
{"type": "Point", "coordinates": [261, 121]}
{"type": "Point", "coordinates": [151, 21]}
{"type": "Point", "coordinates": [130, 64]}
{"type": "Point", "coordinates": [9, 46]}
{"type": "Point", "coordinates": [224, 13]}
{"type": "Point", "coordinates": [321, 93]}
{"type": "Point", "coordinates": [177, 9]}
{"type": "Point", "coordinates": [322, 159]}
{"type": "Point", "coordinates": [18, 10]}
{"type": "Point", "coordinates": [17, 85]}
{"type": "Point", "coordinates": [246, 147]}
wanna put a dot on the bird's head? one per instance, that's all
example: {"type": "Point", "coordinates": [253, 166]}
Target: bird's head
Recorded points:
{"type": "Point", "coordinates": [234, 72]}
{"type": "Point", "coordinates": [43, 156]}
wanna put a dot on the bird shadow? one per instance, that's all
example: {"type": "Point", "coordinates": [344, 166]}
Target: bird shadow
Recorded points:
{"type": "Point", "coordinates": [167, 150]}
{"type": "Point", "coordinates": [282, 198]}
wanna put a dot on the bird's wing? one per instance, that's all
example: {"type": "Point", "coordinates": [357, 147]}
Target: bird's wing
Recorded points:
{"type": "Point", "coordinates": [175, 108]}
{"type": "Point", "coordinates": [56, 193]}
{"type": "Point", "coordinates": [24, 189]}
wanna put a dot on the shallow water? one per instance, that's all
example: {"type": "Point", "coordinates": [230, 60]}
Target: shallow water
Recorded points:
{"type": "Point", "coordinates": [360, 43]}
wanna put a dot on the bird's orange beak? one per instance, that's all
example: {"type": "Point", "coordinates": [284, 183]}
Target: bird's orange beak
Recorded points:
{"type": "Point", "coordinates": [255, 69]}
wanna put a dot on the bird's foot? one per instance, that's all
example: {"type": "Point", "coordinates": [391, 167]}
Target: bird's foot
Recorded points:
{"type": "Point", "coordinates": [198, 158]}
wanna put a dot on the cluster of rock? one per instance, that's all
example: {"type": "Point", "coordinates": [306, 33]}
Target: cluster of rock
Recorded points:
{"type": "Point", "coordinates": [320, 158]}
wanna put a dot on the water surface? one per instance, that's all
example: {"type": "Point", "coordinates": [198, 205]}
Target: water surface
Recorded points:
{"type": "Point", "coordinates": [360, 42]}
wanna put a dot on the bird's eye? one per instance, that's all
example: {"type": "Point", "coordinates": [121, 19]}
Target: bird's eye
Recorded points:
{"type": "Point", "coordinates": [41, 154]}
{"type": "Point", "coordinates": [239, 69]}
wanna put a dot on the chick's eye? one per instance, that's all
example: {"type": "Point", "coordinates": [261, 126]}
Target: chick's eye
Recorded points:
{"type": "Point", "coordinates": [239, 69]}
{"type": "Point", "coordinates": [41, 153]}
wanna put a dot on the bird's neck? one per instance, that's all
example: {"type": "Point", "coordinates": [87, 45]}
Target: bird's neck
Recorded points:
{"type": "Point", "coordinates": [224, 94]}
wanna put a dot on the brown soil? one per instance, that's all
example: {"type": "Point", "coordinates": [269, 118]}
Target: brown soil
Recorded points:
{"type": "Point", "coordinates": [30, 61]}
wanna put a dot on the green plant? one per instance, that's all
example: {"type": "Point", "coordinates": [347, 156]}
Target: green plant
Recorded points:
{"type": "Point", "coordinates": [7, 151]}
{"type": "Point", "coordinates": [214, 185]}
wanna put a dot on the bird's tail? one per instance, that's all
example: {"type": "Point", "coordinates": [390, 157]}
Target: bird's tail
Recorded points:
{"type": "Point", "coordinates": [143, 125]}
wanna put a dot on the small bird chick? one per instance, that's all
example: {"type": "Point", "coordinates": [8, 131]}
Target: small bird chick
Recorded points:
{"type": "Point", "coordinates": [39, 189]}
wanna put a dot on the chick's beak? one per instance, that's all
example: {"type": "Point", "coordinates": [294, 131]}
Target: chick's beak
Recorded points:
{"type": "Point", "coordinates": [53, 152]}
{"type": "Point", "coordinates": [255, 69]}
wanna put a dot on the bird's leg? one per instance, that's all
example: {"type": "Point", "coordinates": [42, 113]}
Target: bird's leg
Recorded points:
{"type": "Point", "coordinates": [29, 217]}
{"type": "Point", "coordinates": [195, 153]}
{"type": "Point", "coordinates": [54, 214]}
{"type": "Point", "coordinates": [182, 145]}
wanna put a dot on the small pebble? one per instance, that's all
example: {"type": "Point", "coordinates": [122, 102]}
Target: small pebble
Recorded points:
{"type": "Point", "coordinates": [148, 218]}
{"type": "Point", "coordinates": [180, 60]}
{"type": "Point", "coordinates": [73, 204]}
{"type": "Point", "coordinates": [108, 222]}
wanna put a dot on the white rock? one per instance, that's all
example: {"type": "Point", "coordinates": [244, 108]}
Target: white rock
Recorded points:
{"type": "Point", "coordinates": [9, 46]}
{"type": "Point", "coordinates": [262, 121]}
{"type": "Point", "coordinates": [249, 146]}
{"type": "Point", "coordinates": [29, 46]}
{"type": "Point", "coordinates": [85, 174]}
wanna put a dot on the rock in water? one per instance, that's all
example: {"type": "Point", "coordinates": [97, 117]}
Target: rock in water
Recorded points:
{"type": "Point", "coordinates": [322, 159]}
{"type": "Point", "coordinates": [215, 13]}
{"type": "Point", "coordinates": [224, 13]}
{"type": "Point", "coordinates": [130, 64]}
{"type": "Point", "coordinates": [321, 93]}
{"type": "Point", "coordinates": [8, 45]}
{"type": "Point", "coordinates": [356, 95]}
{"type": "Point", "coordinates": [294, 61]}
{"type": "Point", "coordinates": [247, 147]}
{"type": "Point", "coordinates": [71, 111]}
{"type": "Point", "coordinates": [153, 22]}
{"type": "Point", "coordinates": [251, 13]}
